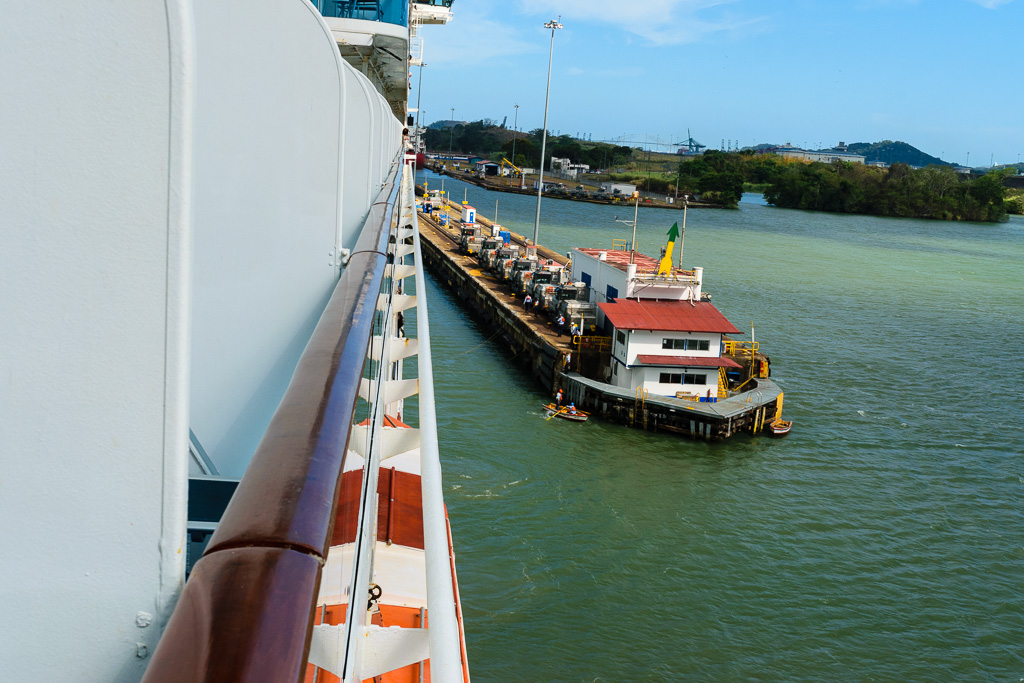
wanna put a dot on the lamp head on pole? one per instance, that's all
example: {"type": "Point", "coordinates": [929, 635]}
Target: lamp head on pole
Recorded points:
{"type": "Point", "coordinates": [553, 24]}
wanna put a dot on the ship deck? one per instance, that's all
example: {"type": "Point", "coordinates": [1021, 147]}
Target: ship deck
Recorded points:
{"type": "Point", "coordinates": [766, 392]}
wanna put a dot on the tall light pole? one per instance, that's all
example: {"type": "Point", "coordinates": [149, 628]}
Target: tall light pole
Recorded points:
{"type": "Point", "coordinates": [515, 124]}
{"type": "Point", "coordinates": [515, 134]}
{"type": "Point", "coordinates": [451, 133]}
{"type": "Point", "coordinates": [553, 24]}
{"type": "Point", "coordinates": [419, 92]}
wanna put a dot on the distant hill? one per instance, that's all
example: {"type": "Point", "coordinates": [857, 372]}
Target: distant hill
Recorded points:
{"type": "Point", "coordinates": [895, 152]}
{"type": "Point", "coordinates": [888, 151]}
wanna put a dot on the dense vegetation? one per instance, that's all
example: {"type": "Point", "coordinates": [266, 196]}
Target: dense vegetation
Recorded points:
{"type": "Point", "coordinates": [487, 139]}
{"type": "Point", "coordinates": [1015, 202]}
{"type": "Point", "coordinates": [842, 187]}
{"type": "Point", "coordinates": [932, 192]}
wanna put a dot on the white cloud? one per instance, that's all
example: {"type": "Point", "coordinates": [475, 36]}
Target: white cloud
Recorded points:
{"type": "Point", "coordinates": [991, 4]}
{"type": "Point", "coordinates": [662, 22]}
{"type": "Point", "coordinates": [473, 37]}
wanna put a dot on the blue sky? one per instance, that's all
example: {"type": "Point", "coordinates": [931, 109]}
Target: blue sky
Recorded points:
{"type": "Point", "coordinates": [942, 75]}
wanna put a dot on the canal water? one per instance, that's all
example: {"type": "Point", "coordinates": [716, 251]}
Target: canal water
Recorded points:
{"type": "Point", "coordinates": [883, 539]}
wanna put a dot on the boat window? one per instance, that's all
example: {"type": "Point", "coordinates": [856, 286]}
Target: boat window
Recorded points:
{"type": "Point", "coordinates": [671, 378]}
{"type": "Point", "coordinates": [621, 336]}
{"type": "Point", "coordinates": [686, 344]}
{"type": "Point", "coordinates": [694, 379]}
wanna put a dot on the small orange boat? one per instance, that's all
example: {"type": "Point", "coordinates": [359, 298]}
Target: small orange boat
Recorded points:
{"type": "Point", "coordinates": [573, 415]}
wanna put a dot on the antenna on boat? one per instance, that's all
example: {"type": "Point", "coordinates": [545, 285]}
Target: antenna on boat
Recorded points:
{"type": "Point", "coordinates": [636, 211]}
{"type": "Point", "coordinates": [682, 233]}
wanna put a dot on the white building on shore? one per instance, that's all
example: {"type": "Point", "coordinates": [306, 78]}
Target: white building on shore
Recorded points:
{"type": "Point", "coordinates": [827, 156]}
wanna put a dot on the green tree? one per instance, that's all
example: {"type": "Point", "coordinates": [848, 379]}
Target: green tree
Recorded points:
{"type": "Point", "coordinates": [621, 154]}
{"type": "Point", "coordinates": [725, 187]}
{"type": "Point", "coordinates": [525, 150]}
{"type": "Point", "coordinates": [933, 192]}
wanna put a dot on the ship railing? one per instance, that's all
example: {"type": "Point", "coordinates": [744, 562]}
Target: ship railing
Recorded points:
{"type": "Point", "coordinates": [358, 649]}
{"type": "Point", "coordinates": [386, 11]}
{"type": "Point", "coordinates": [448, 661]}
{"type": "Point", "coordinates": [688, 277]}
{"type": "Point", "coordinates": [247, 610]}
{"type": "Point", "coordinates": [592, 343]}
{"type": "Point", "coordinates": [738, 347]}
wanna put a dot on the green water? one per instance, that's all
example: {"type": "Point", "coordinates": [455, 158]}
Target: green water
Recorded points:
{"type": "Point", "coordinates": [882, 540]}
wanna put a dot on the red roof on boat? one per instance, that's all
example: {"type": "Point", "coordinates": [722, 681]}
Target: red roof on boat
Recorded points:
{"type": "Point", "coordinates": [668, 316]}
{"type": "Point", "coordinates": [688, 361]}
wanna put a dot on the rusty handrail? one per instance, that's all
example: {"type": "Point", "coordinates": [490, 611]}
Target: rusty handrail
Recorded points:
{"type": "Point", "coordinates": [246, 612]}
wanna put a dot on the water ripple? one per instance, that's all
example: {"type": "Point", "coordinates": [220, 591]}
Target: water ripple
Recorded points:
{"type": "Point", "coordinates": [881, 540]}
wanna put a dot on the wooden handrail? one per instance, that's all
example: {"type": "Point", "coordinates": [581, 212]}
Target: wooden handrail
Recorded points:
{"type": "Point", "coordinates": [246, 612]}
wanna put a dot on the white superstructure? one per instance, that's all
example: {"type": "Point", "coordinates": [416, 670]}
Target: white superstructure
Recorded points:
{"type": "Point", "coordinates": [666, 340]}
{"type": "Point", "coordinates": [614, 273]}
{"type": "Point", "coordinates": [181, 183]}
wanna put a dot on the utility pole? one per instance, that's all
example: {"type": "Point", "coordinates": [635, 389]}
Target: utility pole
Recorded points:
{"type": "Point", "coordinates": [679, 179]}
{"type": "Point", "coordinates": [451, 133]}
{"type": "Point", "coordinates": [682, 235]}
{"type": "Point", "coordinates": [636, 213]}
{"type": "Point", "coordinates": [515, 134]}
{"type": "Point", "coordinates": [553, 25]}
{"type": "Point", "coordinates": [419, 93]}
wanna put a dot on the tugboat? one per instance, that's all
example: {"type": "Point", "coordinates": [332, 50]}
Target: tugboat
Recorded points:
{"type": "Point", "coordinates": [664, 357]}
